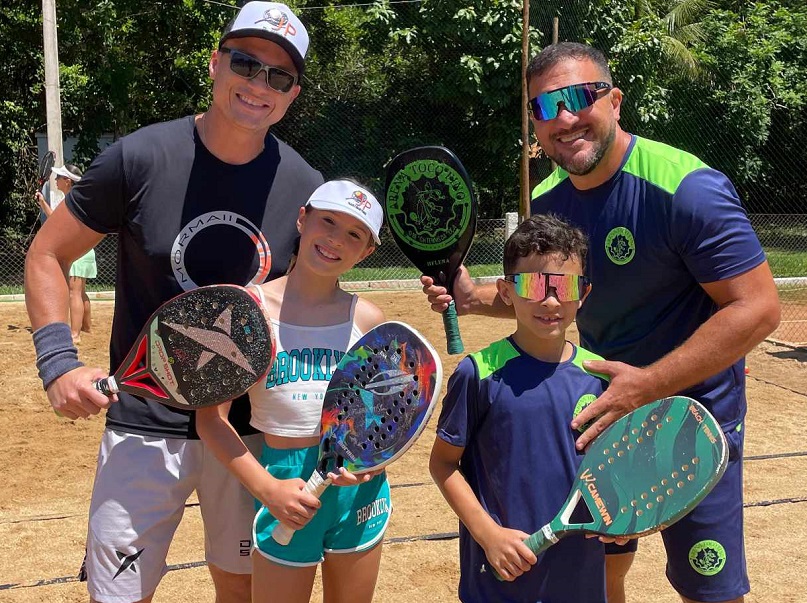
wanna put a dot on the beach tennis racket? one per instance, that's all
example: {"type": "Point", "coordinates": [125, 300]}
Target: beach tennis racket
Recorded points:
{"type": "Point", "coordinates": [377, 403]}
{"type": "Point", "coordinates": [431, 212]}
{"type": "Point", "coordinates": [643, 473]}
{"type": "Point", "coordinates": [45, 164]}
{"type": "Point", "coordinates": [203, 347]}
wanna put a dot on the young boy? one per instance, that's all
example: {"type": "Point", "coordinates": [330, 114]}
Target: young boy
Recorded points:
{"type": "Point", "coordinates": [504, 457]}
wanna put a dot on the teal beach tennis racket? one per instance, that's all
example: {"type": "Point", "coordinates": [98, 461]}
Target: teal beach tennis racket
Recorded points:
{"type": "Point", "coordinates": [643, 473]}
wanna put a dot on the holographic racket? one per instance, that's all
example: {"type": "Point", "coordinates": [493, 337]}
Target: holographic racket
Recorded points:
{"type": "Point", "coordinates": [376, 406]}
{"type": "Point", "coordinates": [201, 348]}
{"type": "Point", "coordinates": [643, 473]}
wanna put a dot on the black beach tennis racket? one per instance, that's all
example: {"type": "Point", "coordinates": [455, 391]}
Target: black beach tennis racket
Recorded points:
{"type": "Point", "coordinates": [431, 212]}
{"type": "Point", "coordinates": [643, 473]}
{"type": "Point", "coordinates": [45, 165]}
{"type": "Point", "coordinates": [377, 404]}
{"type": "Point", "coordinates": [201, 348]}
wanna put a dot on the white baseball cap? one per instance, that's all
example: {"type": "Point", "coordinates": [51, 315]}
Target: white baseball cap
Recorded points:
{"type": "Point", "coordinates": [274, 22]}
{"type": "Point", "coordinates": [64, 172]}
{"type": "Point", "coordinates": [347, 197]}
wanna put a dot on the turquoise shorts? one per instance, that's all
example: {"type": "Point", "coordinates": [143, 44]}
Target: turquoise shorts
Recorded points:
{"type": "Point", "coordinates": [351, 518]}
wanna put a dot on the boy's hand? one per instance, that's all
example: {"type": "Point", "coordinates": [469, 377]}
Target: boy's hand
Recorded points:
{"type": "Point", "coordinates": [507, 553]}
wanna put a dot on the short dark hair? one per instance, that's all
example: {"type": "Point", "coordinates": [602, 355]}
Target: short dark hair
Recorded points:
{"type": "Point", "coordinates": [563, 51]}
{"type": "Point", "coordinates": [544, 234]}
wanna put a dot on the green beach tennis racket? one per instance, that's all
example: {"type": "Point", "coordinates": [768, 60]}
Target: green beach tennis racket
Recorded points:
{"type": "Point", "coordinates": [643, 473]}
{"type": "Point", "coordinates": [431, 211]}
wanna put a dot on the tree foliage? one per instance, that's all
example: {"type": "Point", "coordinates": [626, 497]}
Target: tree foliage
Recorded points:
{"type": "Point", "coordinates": [723, 79]}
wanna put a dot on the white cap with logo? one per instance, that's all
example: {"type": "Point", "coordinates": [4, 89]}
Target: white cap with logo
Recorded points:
{"type": "Point", "coordinates": [274, 22]}
{"type": "Point", "coordinates": [347, 197]}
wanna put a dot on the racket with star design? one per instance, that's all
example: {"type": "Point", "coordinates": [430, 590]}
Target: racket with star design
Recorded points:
{"type": "Point", "coordinates": [431, 210]}
{"type": "Point", "coordinates": [377, 404]}
{"type": "Point", "coordinates": [201, 348]}
{"type": "Point", "coordinates": [643, 473]}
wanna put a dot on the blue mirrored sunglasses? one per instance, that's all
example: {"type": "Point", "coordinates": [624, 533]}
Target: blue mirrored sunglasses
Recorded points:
{"type": "Point", "coordinates": [573, 98]}
{"type": "Point", "coordinates": [537, 285]}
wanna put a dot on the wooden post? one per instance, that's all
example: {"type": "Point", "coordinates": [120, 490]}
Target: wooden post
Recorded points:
{"type": "Point", "coordinates": [53, 106]}
{"type": "Point", "coordinates": [555, 22]}
{"type": "Point", "coordinates": [524, 197]}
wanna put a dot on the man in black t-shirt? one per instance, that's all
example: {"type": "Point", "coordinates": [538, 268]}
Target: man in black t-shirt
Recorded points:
{"type": "Point", "coordinates": [196, 201]}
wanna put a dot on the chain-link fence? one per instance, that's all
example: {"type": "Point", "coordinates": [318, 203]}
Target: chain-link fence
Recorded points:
{"type": "Point", "coordinates": [783, 236]}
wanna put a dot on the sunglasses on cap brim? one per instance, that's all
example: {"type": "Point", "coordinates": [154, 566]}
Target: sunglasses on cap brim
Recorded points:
{"type": "Point", "coordinates": [573, 98]}
{"type": "Point", "coordinates": [538, 285]}
{"type": "Point", "coordinates": [249, 67]}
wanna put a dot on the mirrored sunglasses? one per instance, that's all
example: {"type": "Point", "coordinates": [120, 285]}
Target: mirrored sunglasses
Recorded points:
{"type": "Point", "coordinates": [249, 67]}
{"type": "Point", "coordinates": [573, 98]}
{"type": "Point", "coordinates": [537, 285]}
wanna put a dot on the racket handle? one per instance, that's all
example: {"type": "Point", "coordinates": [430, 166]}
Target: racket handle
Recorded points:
{"type": "Point", "coordinates": [452, 328]}
{"type": "Point", "coordinates": [107, 386]}
{"type": "Point", "coordinates": [315, 485]}
{"type": "Point", "coordinates": [541, 540]}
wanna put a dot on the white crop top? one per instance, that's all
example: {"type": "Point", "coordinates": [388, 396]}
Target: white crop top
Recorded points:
{"type": "Point", "coordinates": [289, 402]}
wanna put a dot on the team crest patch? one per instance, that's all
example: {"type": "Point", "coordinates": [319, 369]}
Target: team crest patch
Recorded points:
{"type": "Point", "coordinates": [707, 557]}
{"type": "Point", "coordinates": [620, 247]}
{"type": "Point", "coordinates": [582, 403]}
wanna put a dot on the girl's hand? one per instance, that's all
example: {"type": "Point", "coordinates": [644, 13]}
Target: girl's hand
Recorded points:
{"type": "Point", "coordinates": [343, 477]}
{"type": "Point", "coordinates": [290, 504]}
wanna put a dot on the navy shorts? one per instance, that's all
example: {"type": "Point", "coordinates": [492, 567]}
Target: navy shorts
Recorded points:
{"type": "Point", "coordinates": [705, 550]}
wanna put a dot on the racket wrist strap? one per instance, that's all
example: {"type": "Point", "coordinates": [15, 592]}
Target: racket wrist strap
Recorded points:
{"type": "Point", "coordinates": [56, 354]}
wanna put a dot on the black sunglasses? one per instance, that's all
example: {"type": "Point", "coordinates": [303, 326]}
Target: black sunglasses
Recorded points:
{"type": "Point", "coordinates": [249, 67]}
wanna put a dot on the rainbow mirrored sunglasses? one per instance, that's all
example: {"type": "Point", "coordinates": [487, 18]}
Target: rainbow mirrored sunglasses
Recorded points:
{"type": "Point", "coordinates": [574, 98]}
{"type": "Point", "coordinates": [537, 285]}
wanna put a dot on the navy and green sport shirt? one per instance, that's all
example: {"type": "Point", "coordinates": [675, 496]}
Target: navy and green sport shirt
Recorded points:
{"type": "Point", "coordinates": [511, 413]}
{"type": "Point", "coordinates": [663, 224]}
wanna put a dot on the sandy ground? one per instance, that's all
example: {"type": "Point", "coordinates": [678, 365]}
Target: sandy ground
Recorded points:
{"type": "Point", "coordinates": [48, 465]}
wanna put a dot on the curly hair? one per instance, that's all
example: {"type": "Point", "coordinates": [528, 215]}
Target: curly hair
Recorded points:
{"type": "Point", "coordinates": [544, 234]}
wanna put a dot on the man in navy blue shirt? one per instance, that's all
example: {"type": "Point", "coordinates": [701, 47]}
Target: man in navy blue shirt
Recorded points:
{"type": "Point", "coordinates": [681, 291]}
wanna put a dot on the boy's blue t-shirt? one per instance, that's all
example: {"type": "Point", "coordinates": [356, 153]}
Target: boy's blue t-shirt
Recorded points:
{"type": "Point", "coordinates": [512, 413]}
{"type": "Point", "coordinates": [661, 226]}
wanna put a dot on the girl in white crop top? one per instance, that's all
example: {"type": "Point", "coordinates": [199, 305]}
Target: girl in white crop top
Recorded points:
{"type": "Point", "coordinates": [313, 318]}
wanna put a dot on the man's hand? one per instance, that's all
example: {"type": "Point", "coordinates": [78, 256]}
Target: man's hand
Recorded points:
{"type": "Point", "coordinates": [74, 396]}
{"type": "Point", "coordinates": [464, 292]}
{"type": "Point", "coordinates": [507, 553]}
{"type": "Point", "coordinates": [630, 388]}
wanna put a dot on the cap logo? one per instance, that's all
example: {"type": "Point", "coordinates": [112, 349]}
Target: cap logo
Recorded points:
{"type": "Point", "coordinates": [279, 21]}
{"type": "Point", "coordinates": [360, 201]}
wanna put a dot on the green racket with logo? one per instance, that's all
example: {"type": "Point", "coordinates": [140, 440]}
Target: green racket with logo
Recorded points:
{"type": "Point", "coordinates": [643, 473]}
{"type": "Point", "coordinates": [431, 213]}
